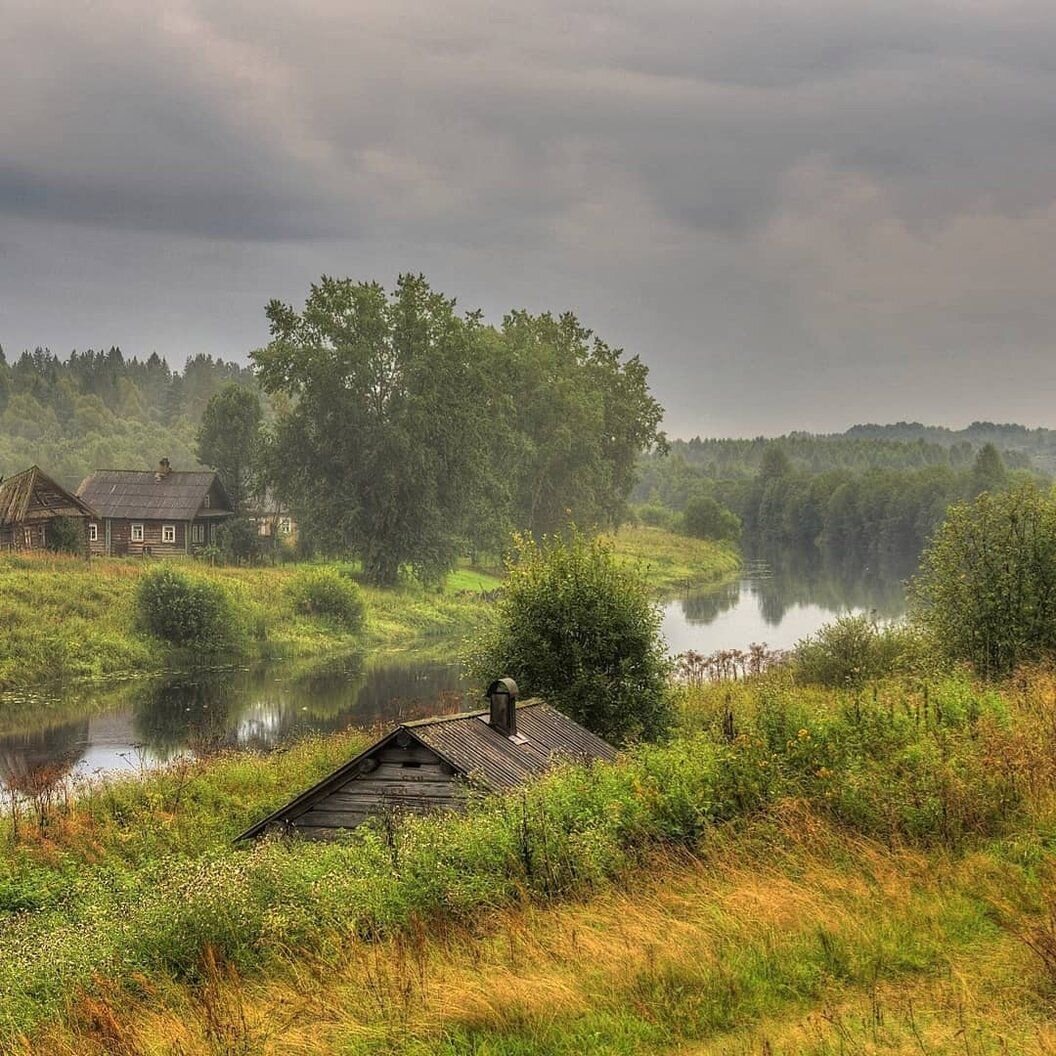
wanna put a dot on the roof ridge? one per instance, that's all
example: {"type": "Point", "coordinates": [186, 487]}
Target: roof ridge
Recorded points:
{"type": "Point", "coordinates": [531, 702]}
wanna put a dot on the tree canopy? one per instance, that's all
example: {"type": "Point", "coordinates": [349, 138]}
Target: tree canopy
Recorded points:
{"type": "Point", "coordinates": [414, 431]}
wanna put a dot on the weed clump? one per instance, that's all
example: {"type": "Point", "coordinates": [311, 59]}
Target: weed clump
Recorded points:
{"type": "Point", "coordinates": [325, 594]}
{"type": "Point", "coordinates": [186, 611]}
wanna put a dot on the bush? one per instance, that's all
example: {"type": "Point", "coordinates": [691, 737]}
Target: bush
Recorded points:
{"type": "Point", "coordinates": [582, 631]}
{"type": "Point", "coordinates": [653, 515]}
{"type": "Point", "coordinates": [326, 594]}
{"type": "Point", "coordinates": [986, 591]}
{"type": "Point", "coordinates": [186, 611]}
{"type": "Point", "coordinates": [855, 650]}
{"type": "Point", "coordinates": [707, 518]}
{"type": "Point", "coordinates": [65, 535]}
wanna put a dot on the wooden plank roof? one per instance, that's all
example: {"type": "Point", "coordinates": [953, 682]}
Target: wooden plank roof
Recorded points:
{"type": "Point", "coordinates": [474, 750]}
{"type": "Point", "coordinates": [131, 493]}
{"type": "Point", "coordinates": [33, 494]}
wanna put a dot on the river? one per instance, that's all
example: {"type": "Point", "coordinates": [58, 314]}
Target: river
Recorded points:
{"type": "Point", "coordinates": [132, 725]}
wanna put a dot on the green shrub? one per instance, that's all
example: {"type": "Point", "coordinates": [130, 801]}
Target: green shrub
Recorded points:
{"type": "Point", "coordinates": [187, 611]}
{"type": "Point", "coordinates": [325, 593]}
{"type": "Point", "coordinates": [653, 515]}
{"type": "Point", "coordinates": [986, 591]}
{"type": "Point", "coordinates": [856, 650]}
{"type": "Point", "coordinates": [706, 518]}
{"type": "Point", "coordinates": [65, 535]}
{"type": "Point", "coordinates": [579, 629]}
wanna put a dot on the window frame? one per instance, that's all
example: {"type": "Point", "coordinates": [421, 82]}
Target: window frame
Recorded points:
{"type": "Point", "coordinates": [199, 533]}
{"type": "Point", "coordinates": [168, 533]}
{"type": "Point", "coordinates": [285, 526]}
{"type": "Point", "coordinates": [135, 528]}
{"type": "Point", "coordinates": [93, 533]}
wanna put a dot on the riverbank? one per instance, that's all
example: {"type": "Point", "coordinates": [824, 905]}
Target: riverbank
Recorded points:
{"type": "Point", "coordinates": [64, 620]}
{"type": "Point", "coordinates": [888, 841]}
{"type": "Point", "coordinates": [673, 562]}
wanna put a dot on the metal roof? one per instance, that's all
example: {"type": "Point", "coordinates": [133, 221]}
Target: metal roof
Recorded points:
{"type": "Point", "coordinates": [33, 493]}
{"type": "Point", "coordinates": [132, 493]}
{"type": "Point", "coordinates": [473, 749]}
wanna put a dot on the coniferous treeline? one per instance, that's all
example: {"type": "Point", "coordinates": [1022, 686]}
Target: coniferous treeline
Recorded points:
{"type": "Point", "coordinates": [98, 410]}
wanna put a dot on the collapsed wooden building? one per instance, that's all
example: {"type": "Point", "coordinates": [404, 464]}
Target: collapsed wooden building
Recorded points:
{"type": "Point", "coordinates": [160, 512]}
{"type": "Point", "coordinates": [30, 502]}
{"type": "Point", "coordinates": [434, 764]}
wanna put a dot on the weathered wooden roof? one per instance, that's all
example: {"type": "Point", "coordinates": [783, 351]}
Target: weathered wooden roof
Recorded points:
{"type": "Point", "coordinates": [131, 493]}
{"type": "Point", "coordinates": [33, 494]}
{"type": "Point", "coordinates": [474, 750]}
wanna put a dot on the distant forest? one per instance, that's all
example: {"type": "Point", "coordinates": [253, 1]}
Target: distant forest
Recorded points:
{"type": "Point", "coordinates": [99, 410]}
{"type": "Point", "coordinates": [871, 496]}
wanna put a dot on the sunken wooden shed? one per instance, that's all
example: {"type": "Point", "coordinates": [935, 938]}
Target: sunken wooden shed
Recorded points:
{"type": "Point", "coordinates": [433, 764]}
{"type": "Point", "coordinates": [29, 502]}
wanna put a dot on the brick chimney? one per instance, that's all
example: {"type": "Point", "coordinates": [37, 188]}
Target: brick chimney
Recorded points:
{"type": "Point", "coordinates": [164, 469]}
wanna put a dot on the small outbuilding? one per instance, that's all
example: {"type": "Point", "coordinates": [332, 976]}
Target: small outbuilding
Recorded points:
{"type": "Point", "coordinates": [30, 502]}
{"type": "Point", "coordinates": [432, 764]}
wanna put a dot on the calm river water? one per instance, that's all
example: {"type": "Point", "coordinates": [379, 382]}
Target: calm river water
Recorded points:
{"type": "Point", "coordinates": [136, 724]}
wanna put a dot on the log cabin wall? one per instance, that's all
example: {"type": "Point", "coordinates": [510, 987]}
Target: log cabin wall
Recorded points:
{"type": "Point", "coordinates": [392, 778]}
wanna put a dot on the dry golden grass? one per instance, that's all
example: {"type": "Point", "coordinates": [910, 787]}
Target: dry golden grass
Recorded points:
{"type": "Point", "coordinates": [742, 915]}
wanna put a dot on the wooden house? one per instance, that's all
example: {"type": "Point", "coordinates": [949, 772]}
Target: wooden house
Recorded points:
{"type": "Point", "coordinates": [29, 502]}
{"type": "Point", "coordinates": [434, 764]}
{"type": "Point", "coordinates": [158, 513]}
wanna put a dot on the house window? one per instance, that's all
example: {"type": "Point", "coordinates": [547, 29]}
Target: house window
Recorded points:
{"type": "Point", "coordinates": [197, 533]}
{"type": "Point", "coordinates": [207, 502]}
{"type": "Point", "coordinates": [168, 533]}
{"type": "Point", "coordinates": [285, 526]}
{"type": "Point", "coordinates": [93, 533]}
{"type": "Point", "coordinates": [137, 533]}
{"type": "Point", "coordinates": [27, 535]}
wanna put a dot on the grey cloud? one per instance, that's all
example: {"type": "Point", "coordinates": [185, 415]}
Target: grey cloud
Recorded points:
{"type": "Point", "coordinates": [763, 199]}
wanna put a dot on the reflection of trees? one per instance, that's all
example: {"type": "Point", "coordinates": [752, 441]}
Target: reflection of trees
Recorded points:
{"type": "Point", "coordinates": [796, 578]}
{"type": "Point", "coordinates": [186, 712]}
{"type": "Point", "coordinates": [780, 580]}
{"type": "Point", "coordinates": [266, 705]}
{"type": "Point", "coordinates": [707, 606]}
{"type": "Point", "coordinates": [32, 763]}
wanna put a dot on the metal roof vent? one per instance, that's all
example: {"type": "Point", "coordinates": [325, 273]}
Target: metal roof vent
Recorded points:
{"type": "Point", "coordinates": [502, 701]}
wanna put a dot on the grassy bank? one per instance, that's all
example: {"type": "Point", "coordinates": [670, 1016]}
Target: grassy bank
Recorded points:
{"type": "Point", "coordinates": [676, 562]}
{"type": "Point", "coordinates": [796, 885]}
{"type": "Point", "coordinates": [64, 619]}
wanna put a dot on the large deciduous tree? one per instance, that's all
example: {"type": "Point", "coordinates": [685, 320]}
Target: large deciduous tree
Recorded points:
{"type": "Point", "coordinates": [229, 439]}
{"type": "Point", "coordinates": [383, 448]}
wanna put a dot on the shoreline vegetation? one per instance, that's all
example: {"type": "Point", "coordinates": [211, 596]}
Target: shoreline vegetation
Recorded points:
{"type": "Point", "coordinates": [66, 621]}
{"type": "Point", "coordinates": [815, 860]}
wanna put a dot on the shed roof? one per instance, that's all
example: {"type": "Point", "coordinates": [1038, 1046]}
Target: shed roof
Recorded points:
{"type": "Point", "coordinates": [33, 492]}
{"type": "Point", "coordinates": [129, 493]}
{"type": "Point", "coordinates": [475, 750]}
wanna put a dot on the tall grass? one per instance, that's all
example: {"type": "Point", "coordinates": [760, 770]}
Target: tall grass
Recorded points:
{"type": "Point", "coordinates": [137, 887]}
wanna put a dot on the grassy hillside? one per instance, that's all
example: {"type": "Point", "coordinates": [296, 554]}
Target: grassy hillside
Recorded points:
{"type": "Point", "coordinates": [849, 873]}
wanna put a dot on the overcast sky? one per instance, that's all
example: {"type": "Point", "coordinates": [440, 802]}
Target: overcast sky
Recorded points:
{"type": "Point", "coordinates": [801, 214]}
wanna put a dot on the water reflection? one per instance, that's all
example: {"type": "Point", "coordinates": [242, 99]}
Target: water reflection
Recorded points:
{"type": "Point", "coordinates": [33, 762]}
{"type": "Point", "coordinates": [262, 707]}
{"type": "Point", "coordinates": [779, 601]}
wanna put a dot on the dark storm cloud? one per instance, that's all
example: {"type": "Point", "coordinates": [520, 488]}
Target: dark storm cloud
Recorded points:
{"type": "Point", "coordinates": [801, 214]}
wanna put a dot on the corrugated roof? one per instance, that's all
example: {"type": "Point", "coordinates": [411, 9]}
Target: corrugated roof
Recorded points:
{"type": "Point", "coordinates": [475, 750]}
{"type": "Point", "coordinates": [131, 493]}
{"type": "Point", "coordinates": [33, 493]}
